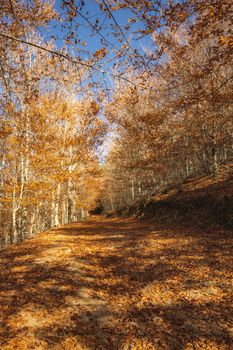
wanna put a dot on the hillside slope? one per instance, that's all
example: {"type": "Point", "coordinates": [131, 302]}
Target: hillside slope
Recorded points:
{"type": "Point", "coordinates": [202, 201]}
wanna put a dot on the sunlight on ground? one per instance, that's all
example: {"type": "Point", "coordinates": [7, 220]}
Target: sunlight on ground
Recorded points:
{"type": "Point", "coordinates": [115, 284]}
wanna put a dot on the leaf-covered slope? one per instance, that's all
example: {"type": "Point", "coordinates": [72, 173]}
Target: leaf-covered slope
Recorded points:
{"type": "Point", "coordinates": [202, 201]}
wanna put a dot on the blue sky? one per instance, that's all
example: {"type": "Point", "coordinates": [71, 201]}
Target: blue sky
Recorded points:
{"type": "Point", "coordinates": [92, 40]}
{"type": "Point", "coordinates": [94, 12]}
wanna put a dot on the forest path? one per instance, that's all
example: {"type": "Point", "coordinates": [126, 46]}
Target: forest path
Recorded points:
{"type": "Point", "coordinates": [118, 284]}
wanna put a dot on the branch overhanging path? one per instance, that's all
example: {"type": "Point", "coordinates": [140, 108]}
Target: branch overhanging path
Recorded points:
{"type": "Point", "coordinates": [67, 57]}
{"type": "Point", "coordinates": [103, 72]}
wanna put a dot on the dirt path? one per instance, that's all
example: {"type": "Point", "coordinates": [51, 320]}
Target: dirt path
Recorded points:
{"type": "Point", "coordinates": [118, 284]}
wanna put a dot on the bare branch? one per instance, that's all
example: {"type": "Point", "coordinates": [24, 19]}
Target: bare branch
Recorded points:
{"type": "Point", "coordinates": [67, 57]}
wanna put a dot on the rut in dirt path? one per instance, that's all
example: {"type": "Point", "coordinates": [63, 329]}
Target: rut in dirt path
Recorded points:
{"type": "Point", "coordinates": [118, 284]}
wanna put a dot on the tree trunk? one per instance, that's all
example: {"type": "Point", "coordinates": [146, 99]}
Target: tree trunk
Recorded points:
{"type": "Point", "coordinates": [56, 209]}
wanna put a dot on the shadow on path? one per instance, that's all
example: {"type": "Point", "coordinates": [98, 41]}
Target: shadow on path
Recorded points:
{"type": "Point", "coordinates": [118, 284]}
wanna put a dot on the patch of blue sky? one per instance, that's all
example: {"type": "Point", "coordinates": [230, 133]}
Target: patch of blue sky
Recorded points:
{"type": "Point", "coordinates": [88, 40]}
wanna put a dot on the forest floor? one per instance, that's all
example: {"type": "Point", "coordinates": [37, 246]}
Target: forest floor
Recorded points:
{"type": "Point", "coordinates": [118, 284]}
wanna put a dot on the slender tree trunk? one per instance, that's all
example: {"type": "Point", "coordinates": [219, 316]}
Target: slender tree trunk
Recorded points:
{"type": "Point", "coordinates": [69, 201]}
{"type": "Point", "coordinates": [65, 210]}
{"type": "Point", "coordinates": [32, 223]}
{"type": "Point", "coordinates": [53, 209]}
{"type": "Point", "coordinates": [14, 218]}
{"type": "Point", "coordinates": [132, 190]}
{"type": "Point", "coordinates": [56, 209]}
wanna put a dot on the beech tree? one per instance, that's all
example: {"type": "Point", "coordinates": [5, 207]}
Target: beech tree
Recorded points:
{"type": "Point", "coordinates": [45, 166]}
{"type": "Point", "coordinates": [49, 134]}
{"type": "Point", "coordinates": [177, 121]}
